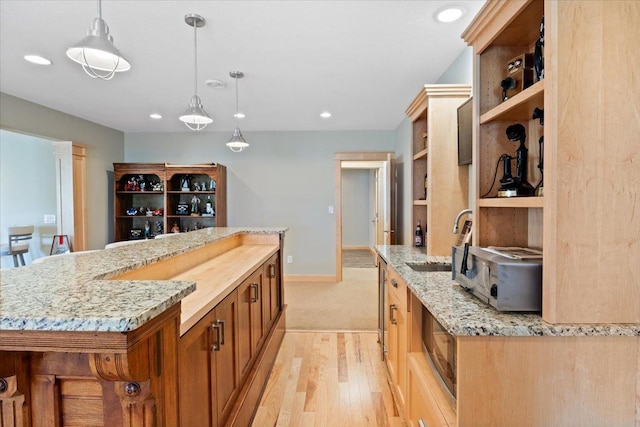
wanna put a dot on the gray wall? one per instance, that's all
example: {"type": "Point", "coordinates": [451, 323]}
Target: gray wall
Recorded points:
{"type": "Point", "coordinates": [27, 190]}
{"type": "Point", "coordinates": [282, 179]}
{"type": "Point", "coordinates": [357, 207]}
{"type": "Point", "coordinates": [461, 69]}
{"type": "Point", "coordinates": [104, 146]}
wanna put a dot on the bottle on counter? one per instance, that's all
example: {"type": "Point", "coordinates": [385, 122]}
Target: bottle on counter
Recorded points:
{"type": "Point", "coordinates": [419, 237]}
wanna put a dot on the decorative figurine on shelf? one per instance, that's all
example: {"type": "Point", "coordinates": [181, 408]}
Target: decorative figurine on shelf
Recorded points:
{"type": "Point", "coordinates": [147, 230]}
{"type": "Point", "coordinates": [175, 228]}
{"type": "Point", "coordinates": [158, 212]}
{"type": "Point", "coordinates": [212, 185]}
{"type": "Point", "coordinates": [183, 208]}
{"type": "Point", "coordinates": [195, 201]}
{"type": "Point", "coordinates": [142, 183]}
{"type": "Point", "coordinates": [203, 186]}
{"type": "Point", "coordinates": [132, 184]}
{"type": "Point", "coordinates": [185, 183]}
{"type": "Point", "coordinates": [208, 210]}
{"type": "Point", "coordinates": [196, 226]}
{"type": "Point", "coordinates": [196, 186]}
{"type": "Point", "coordinates": [149, 212]}
{"type": "Point", "coordinates": [132, 211]}
{"type": "Point", "coordinates": [157, 186]}
{"type": "Point", "coordinates": [135, 233]}
{"type": "Point", "coordinates": [159, 228]}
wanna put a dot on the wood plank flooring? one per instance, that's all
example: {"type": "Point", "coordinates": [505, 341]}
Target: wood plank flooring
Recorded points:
{"type": "Point", "coordinates": [328, 379]}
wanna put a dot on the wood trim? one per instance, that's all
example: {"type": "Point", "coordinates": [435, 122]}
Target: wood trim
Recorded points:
{"type": "Point", "coordinates": [357, 248]}
{"type": "Point", "coordinates": [83, 341]}
{"type": "Point", "coordinates": [310, 278]}
{"type": "Point", "coordinates": [363, 155]}
{"type": "Point", "coordinates": [338, 213]}
{"type": "Point", "coordinates": [417, 106]}
{"type": "Point", "coordinates": [80, 228]}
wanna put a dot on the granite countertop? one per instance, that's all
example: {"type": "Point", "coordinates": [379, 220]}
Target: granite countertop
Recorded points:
{"type": "Point", "coordinates": [73, 293]}
{"type": "Point", "coordinates": [462, 314]}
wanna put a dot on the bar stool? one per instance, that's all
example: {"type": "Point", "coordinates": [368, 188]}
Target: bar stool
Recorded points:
{"type": "Point", "coordinates": [18, 244]}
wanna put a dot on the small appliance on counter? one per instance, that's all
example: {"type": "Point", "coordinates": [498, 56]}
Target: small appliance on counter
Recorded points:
{"type": "Point", "coordinates": [508, 279]}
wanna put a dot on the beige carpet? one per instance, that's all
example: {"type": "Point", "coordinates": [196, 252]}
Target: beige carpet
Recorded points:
{"type": "Point", "coordinates": [351, 305]}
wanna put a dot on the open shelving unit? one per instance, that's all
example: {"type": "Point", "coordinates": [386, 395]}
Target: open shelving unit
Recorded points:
{"type": "Point", "coordinates": [158, 209]}
{"type": "Point", "coordinates": [433, 115]}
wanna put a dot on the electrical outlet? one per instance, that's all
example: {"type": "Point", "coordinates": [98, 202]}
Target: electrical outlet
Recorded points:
{"type": "Point", "coordinates": [49, 219]}
{"type": "Point", "coordinates": [330, 209]}
{"type": "Point", "coordinates": [289, 259]}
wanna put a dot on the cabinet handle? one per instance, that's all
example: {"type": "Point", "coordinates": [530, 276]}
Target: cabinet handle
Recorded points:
{"type": "Point", "coordinates": [394, 283]}
{"type": "Point", "coordinates": [272, 271]}
{"type": "Point", "coordinates": [393, 320]}
{"type": "Point", "coordinates": [421, 423]}
{"type": "Point", "coordinates": [254, 286]}
{"type": "Point", "coordinates": [215, 340]}
{"type": "Point", "coordinates": [221, 323]}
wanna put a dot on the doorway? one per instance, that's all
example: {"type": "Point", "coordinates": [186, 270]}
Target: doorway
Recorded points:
{"type": "Point", "coordinates": [382, 214]}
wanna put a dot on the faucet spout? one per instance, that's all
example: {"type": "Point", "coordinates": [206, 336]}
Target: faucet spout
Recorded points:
{"type": "Point", "coordinates": [457, 220]}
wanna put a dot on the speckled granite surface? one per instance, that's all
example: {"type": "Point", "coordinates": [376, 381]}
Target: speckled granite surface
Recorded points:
{"type": "Point", "coordinates": [462, 314]}
{"type": "Point", "coordinates": [71, 293]}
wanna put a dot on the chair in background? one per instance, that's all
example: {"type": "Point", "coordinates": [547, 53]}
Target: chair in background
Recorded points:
{"type": "Point", "coordinates": [122, 243]}
{"type": "Point", "coordinates": [18, 243]}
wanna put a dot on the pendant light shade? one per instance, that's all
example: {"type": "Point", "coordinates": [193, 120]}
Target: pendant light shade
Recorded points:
{"type": "Point", "coordinates": [96, 53]}
{"type": "Point", "coordinates": [195, 117]}
{"type": "Point", "coordinates": [237, 142]}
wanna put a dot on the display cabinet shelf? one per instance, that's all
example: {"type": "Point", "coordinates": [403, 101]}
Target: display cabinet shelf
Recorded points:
{"type": "Point", "coordinates": [421, 202]}
{"type": "Point", "coordinates": [172, 178]}
{"type": "Point", "coordinates": [511, 202]}
{"type": "Point", "coordinates": [518, 107]}
{"type": "Point", "coordinates": [420, 155]}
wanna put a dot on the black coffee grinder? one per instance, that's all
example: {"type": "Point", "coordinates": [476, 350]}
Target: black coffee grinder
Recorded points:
{"type": "Point", "coordinates": [516, 186]}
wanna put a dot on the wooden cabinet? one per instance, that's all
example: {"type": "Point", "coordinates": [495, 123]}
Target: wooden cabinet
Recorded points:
{"type": "Point", "coordinates": [589, 238]}
{"type": "Point", "coordinates": [397, 334]}
{"type": "Point", "coordinates": [271, 291]}
{"type": "Point", "coordinates": [250, 319]}
{"type": "Point", "coordinates": [154, 198]}
{"type": "Point", "coordinates": [440, 187]}
{"type": "Point", "coordinates": [425, 402]}
{"type": "Point", "coordinates": [208, 373]}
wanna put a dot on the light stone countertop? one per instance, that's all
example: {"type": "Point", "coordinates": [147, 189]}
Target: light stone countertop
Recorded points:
{"type": "Point", "coordinates": [462, 314]}
{"type": "Point", "coordinates": [72, 293]}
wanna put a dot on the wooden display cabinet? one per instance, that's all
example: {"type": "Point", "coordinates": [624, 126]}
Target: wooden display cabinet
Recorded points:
{"type": "Point", "coordinates": [157, 200]}
{"type": "Point", "coordinates": [590, 235]}
{"type": "Point", "coordinates": [433, 114]}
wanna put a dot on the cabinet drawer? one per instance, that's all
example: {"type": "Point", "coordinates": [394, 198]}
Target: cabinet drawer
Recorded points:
{"type": "Point", "coordinates": [397, 287]}
{"type": "Point", "coordinates": [425, 400]}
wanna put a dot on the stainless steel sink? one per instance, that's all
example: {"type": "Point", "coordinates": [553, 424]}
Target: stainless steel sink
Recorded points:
{"type": "Point", "coordinates": [429, 266]}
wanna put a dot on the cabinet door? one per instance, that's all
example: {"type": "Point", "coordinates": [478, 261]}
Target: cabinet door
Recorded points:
{"type": "Point", "coordinates": [271, 292]}
{"type": "Point", "coordinates": [226, 362]}
{"type": "Point", "coordinates": [195, 359]}
{"type": "Point", "coordinates": [249, 320]}
{"type": "Point", "coordinates": [397, 344]}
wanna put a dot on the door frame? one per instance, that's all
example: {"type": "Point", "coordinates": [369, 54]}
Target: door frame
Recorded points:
{"type": "Point", "coordinates": [360, 156]}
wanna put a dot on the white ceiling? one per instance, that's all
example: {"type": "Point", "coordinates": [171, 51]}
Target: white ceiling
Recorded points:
{"type": "Point", "coordinates": [364, 61]}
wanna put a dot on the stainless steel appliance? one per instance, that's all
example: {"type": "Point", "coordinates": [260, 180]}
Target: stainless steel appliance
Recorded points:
{"type": "Point", "coordinates": [440, 347]}
{"type": "Point", "coordinates": [382, 304]}
{"type": "Point", "coordinates": [504, 282]}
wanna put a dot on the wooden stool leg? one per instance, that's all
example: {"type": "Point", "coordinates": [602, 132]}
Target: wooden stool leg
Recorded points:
{"type": "Point", "coordinates": [15, 260]}
{"type": "Point", "coordinates": [22, 259]}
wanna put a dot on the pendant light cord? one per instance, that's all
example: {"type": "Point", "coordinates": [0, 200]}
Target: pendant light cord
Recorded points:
{"type": "Point", "coordinates": [100, 9]}
{"type": "Point", "coordinates": [195, 57]}
{"type": "Point", "coordinates": [236, 101]}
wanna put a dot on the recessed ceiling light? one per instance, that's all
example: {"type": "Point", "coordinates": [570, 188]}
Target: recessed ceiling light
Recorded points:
{"type": "Point", "coordinates": [37, 59]}
{"type": "Point", "coordinates": [239, 115]}
{"type": "Point", "coordinates": [325, 115]}
{"type": "Point", "coordinates": [449, 14]}
{"type": "Point", "coordinates": [155, 116]}
{"type": "Point", "coordinates": [216, 84]}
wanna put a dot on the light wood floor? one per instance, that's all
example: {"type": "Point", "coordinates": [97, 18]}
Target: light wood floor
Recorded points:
{"type": "Point", "coordinates": [328, 379]}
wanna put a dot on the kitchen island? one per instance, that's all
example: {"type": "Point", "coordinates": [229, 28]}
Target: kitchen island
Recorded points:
{"type": "Point", "coordinates": [99, 338]}
{"type": "Point", "coordinates": [509, 368]}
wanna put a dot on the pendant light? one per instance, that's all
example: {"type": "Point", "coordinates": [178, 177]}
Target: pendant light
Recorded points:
{"type": "Point", "coordinates": [195, 117]}
{"type": "Point", "coordinates": [96, 53]}
{"type": "Point", "coordinates": [237, 142]}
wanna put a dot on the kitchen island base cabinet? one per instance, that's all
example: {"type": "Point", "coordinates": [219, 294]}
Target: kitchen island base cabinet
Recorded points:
{"type": "Point", "coordinates": [92, 378]}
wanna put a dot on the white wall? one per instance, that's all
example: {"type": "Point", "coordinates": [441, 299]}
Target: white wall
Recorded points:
{"type": "Point", "coordinates": [461, 69]}
{"type": "Point", "coordinates": [104, 147]}
{"type": "Point", "coordinates": [357, 207]}
{"type": "Point", "coordinates": [27, 190]}
{"type": "Point", "coordinates": [282, 179]}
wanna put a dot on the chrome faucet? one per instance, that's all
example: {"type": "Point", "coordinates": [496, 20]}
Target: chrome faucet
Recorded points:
{"type": "Point", "coordinates": [457, 220]}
